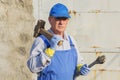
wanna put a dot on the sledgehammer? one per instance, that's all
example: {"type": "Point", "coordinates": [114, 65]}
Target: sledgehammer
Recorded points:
{"type": "Point", "coordinates": [39, 30]}
{"type": "Point", "coordinates": [99, 60]}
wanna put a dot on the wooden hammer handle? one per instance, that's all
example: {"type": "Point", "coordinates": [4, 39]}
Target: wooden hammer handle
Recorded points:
{"type": "Point", "coordinates": [48, 35]}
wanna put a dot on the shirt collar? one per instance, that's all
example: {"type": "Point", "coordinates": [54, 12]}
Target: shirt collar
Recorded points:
{"type": "Point", "coordinates": [65, 34]}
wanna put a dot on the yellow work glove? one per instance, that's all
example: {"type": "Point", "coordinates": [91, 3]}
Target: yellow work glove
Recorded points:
{"type": "Point", "coordinates": [79, 67]}
{"type": "Point", "coordinates": [83, 69]}
{"type": "Point", "coordinates": [49, 52]}
{"type": "Point", "coordinates": [53, 44]}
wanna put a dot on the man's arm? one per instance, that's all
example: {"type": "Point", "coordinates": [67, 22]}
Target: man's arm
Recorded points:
{"type": "Point", "coordinates": [38, 60]}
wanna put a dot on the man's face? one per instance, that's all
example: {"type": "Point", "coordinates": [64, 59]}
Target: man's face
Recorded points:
{"type": "Point", "coordinates": [59, 24]}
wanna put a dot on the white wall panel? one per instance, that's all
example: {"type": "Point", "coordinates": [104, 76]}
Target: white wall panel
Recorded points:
{"type": "Point", "coordinates": [96, 28]}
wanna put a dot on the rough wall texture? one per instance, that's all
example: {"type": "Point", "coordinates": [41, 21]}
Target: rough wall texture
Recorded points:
{"type": "Point", "coordinates": [16, 25]}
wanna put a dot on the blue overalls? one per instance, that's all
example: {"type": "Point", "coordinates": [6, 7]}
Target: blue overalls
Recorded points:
{"type": "Point", "coordinates": [63, 65]}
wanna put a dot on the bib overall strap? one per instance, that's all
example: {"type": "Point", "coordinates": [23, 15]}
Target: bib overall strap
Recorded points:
{"type": "Point", "coordinates": [71, 43]}
{"type": "Point", "coordinates": [45, 40]}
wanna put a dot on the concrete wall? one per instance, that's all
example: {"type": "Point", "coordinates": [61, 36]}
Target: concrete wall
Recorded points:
{"type": "Point", "coordinates": [16, 27]}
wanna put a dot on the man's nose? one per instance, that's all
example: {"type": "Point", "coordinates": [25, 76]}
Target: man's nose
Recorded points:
{"type": "Point", "coordinates": [60, 22]}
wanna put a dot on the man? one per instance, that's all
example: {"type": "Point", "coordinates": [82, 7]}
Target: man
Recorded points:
{"type": "Point", "coordinates": [53, 62]}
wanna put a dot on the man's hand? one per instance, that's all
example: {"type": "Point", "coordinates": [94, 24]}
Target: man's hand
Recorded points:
{"type": "Point", "coordinates": [54, 41]}
{"type": "Point", "coordinates": [84, 70]}
{"type": "Point", "coordinates": [53, 44]}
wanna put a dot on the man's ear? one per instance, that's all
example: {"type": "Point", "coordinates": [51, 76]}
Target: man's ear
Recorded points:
{"type": "Point", "coordinates": [50, 19]}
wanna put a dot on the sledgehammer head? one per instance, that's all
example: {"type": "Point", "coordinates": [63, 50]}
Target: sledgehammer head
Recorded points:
{"type": "Point", "coordinates": [39, 30]}
{"type": "Point", "coordinates": [40, 24]}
